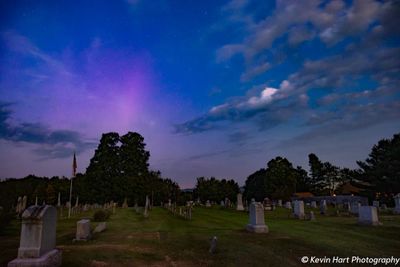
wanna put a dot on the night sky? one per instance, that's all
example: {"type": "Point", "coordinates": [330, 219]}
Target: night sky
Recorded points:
{"type": "Point", "coordinates": [217, 88]}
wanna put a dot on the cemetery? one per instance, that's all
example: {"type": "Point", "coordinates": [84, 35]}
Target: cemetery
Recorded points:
{"type": "Point", "coordinates": [212, 236]}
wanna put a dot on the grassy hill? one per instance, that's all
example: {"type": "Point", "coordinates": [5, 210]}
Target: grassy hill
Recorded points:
{"type": "Point", "coordinates": [167, 240]}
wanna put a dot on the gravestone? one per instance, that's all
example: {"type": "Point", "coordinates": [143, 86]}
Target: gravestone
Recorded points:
{"type": "Point", "coordinates": [19, 205]}
{"type": "Point", "coordinates": [125, 204]}
{"type": "Point", "coordinates": [83, 230]}
{"type": "Point", "coordinates": [38, 238]}
{"type": "Point", "coordinates": [256, 215]}
{"type": "Point", "coordinates": [222, 204]}
{"type": "Point", "coordinates": [239, 203]}
{"type": "Point", "coordinates": [384, 207]}
{"type": "Point", "coordinates": [299, 209]}
{"type": "Point", "coordinates": [24, 200]}
{"type": "Point", "coordinates": [146, 207]}
{"type": "Point", "coordinates": [36, 201]}
{"type": "Point", "coordinates": [288, 205]}
{"type": "Point", "coordinates": [355, 207]}
{"type": "Point", "coordinates": [77, 202]}
{"type": "Point", "coordinates": [368, 215]}
{"type": "Point", "coordinates": [375, 204]}
{"type": "Point", "coordinates": [213, 245]}
{"type": "Point", "coordinates": [59, 200]}
{"type": "Point", "coordinates": [311, 216]}
{"type": "Point", "coordinates": [322, 207]}
{"type": "Point", "coordinates": [397, 203]}
{"type": "Point", "coordinates": [314, 204]}
{"type": "Point", "coordinates": [100, 227]}
{"type": "Point", "coordinates": [208, 204]}
{"type": "Point", "coordinates": [279, 202]}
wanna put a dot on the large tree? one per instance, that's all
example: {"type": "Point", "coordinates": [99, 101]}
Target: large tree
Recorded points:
{"type": "Point", "coordinates": [278, 181]}
{"type": "Point", "coordinates": [381, 170]}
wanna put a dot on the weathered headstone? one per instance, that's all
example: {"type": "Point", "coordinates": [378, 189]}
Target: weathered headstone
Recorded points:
{"type": "Point", "coordinates": [314, 204]}
{"type": "Point", "coordinates": [311, 216]}
{"type": "Point", "coordinates": [368, 215]}
{"type": "Point", "coordinates": [208, 204]}
{"type": "Point", "coordinates": [38, 238]}
{"type": "Point", "coordinates": [213, 245]}
{"type": "Point", "coordinates": [322, 207]}
{"type": "Point", "coordinates": [239, 203]}
{"type": "Point", "coordinates": [125, 204]}
{"type": "Point", "coordinates": [288, 205]}
{"type": "Point", "coordinates": [24, 200]}
{"type": "Point", "coordinates": [299, 209]}
{"type": "Point", "coordinates": [279, 202]}
{"type": "Point", "coordinates": [256, 215]}
{"type": "Point", "coordinates": [146, 207]}
{"type": "Point", "coordinates": [19, 205]}
{"type": "Point", "coordinates": [222, 203]}
{"type": "Point", "coordinates": [100, 227]}
{"type": "Point", "coordinates": [83, 230]}
{"type": "Point", "coordinates": [397, 204]}
{"type": "Point", "coordinates": [59, 200]}
{"type": "Point", "coordinates": [355, 206]}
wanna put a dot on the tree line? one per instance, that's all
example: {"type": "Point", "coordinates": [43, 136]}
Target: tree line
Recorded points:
{"type": "Point", "coordinates": [378, 176]}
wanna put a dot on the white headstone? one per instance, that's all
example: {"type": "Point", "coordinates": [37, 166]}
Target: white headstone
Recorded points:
{"type": "Point", "coordinates": [38, 238]}
{"type": "Point", "coordinates": [280, 203]}
{"type": "Point", "coordinates": [83, 230]}
{"type": "Point", "coordinates": [288, 205]}
{"type": "Point", "coordinates": [208, 204]}
{"type": "Point", "coordinates": [256, 215]}
{"type": "Point", "coordinates": [239, 203]}
{"type": "Point", "coordinates": [299, 209]}
{"type": "Point", "coordinates": [368, 215]}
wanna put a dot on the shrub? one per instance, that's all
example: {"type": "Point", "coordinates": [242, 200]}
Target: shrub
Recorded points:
{"type": "Point", "coordinates": [101, 215]}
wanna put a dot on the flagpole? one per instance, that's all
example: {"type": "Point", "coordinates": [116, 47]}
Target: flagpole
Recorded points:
{"type": "Point", "coordinates": [74, 166]}
{"type": "Point", "coordinates": [70, 196]}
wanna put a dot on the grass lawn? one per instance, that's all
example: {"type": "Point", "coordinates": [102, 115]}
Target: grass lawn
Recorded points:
{"type": "Point", "coordinates": [167, 240]}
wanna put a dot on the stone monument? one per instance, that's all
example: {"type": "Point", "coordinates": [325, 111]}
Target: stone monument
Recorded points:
{"type": "Point", "coordinates": [38, 238]}
{"type": "Point", "coordinates": [368, 215]}
{"type": "Point", "coordinates": [239, 203]}
{"type": "Point", "coordinates": [299, 209]}
{"type": "Point", "coordinates": [256, 215]}
{"type": "Point", "coordinates": [82, 230]}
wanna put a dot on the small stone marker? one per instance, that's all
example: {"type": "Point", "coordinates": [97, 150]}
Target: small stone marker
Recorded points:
{"type": "Point", "coordinates": [83, 230]}
{"type": "Point", "coordinates": [397, 204]}
{"type": "Point", "coordinates": [146, 207]}
{"type": "Point", "coordinates": [355, 206]}
{"type": "Point", "coordinates": [213, 245]}
{"type": "Point", "coordinates": [102, 226]}
{"type": "Point", "coordinates": [299, 209]}
{"type": "Point", "coordinates": [312, 216]}
{"type": "Point", "coordinates": [239, 203]}
{"type": "Point", "coordinates": [125, 204]}
{"type": "Point", "coordinates": [288, 205]}
{"type": "Point", "coordinates": [222, 203]}
{"type": "Point", "coordinates": [208, 204]}
{"type": "Point", "coordinates": [279, 202]}
{"type": "Point", "coordinates": [314, 204]}
{"type": "Point", "coordinates": [38, 238]}
{"type": "Point", "coordinates": [368, 215]}
{"type": "Point", "coordinates": [256, 215]}
{"type": "Point", "coordinates": [322, 207]}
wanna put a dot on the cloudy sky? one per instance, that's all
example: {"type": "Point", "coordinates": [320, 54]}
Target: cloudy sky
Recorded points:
{"type": "Point", "coordinates": [217, 88]}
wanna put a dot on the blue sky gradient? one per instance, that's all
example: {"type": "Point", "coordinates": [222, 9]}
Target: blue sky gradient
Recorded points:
{"type": "Point", "coordinates": [217, 88]}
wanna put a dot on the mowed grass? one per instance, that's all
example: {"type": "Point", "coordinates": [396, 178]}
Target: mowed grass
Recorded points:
{"type": "Point", "coordinates": [163, 239]}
